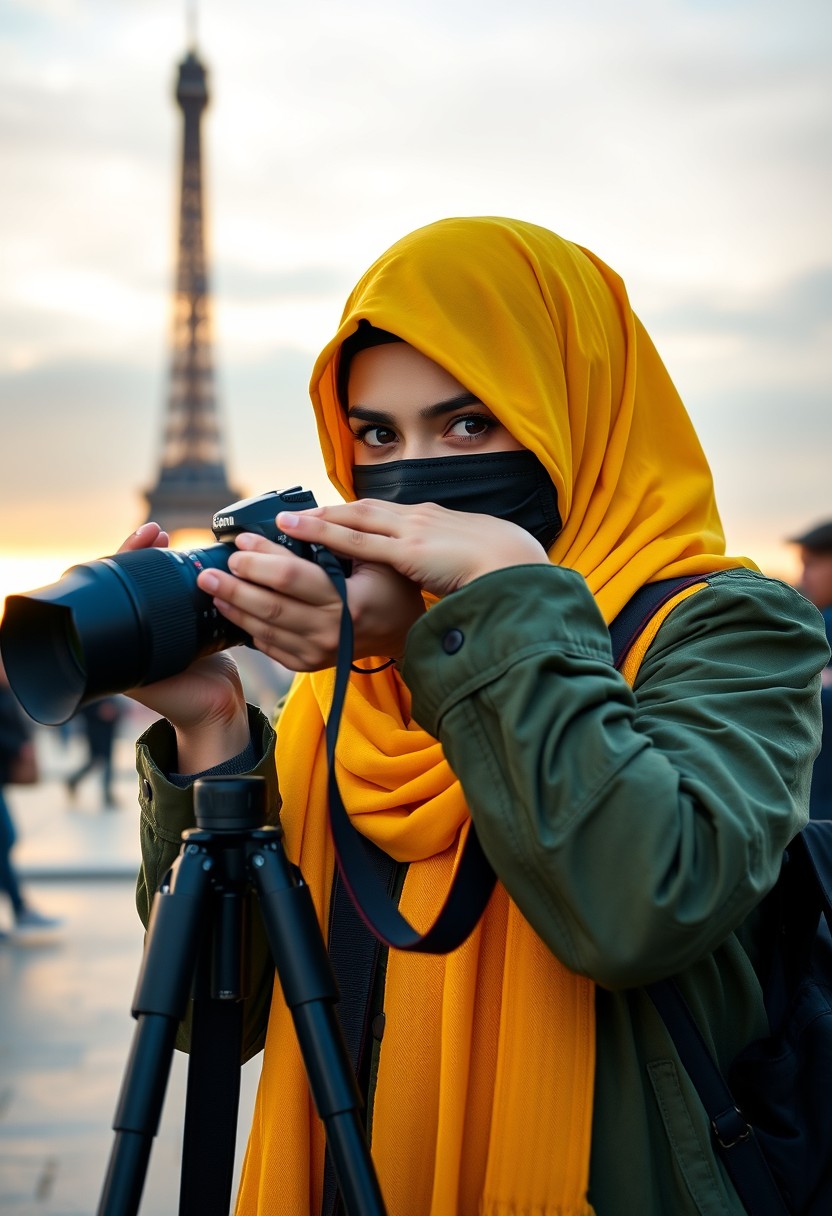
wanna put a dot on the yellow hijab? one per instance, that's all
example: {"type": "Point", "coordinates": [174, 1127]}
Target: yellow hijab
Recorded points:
{"type": "Point", "coordinates": [483, 1103]}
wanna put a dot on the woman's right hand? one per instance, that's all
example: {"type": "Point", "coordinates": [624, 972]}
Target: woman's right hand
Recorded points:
{"type": "Point", "coordinates": [205, 704]}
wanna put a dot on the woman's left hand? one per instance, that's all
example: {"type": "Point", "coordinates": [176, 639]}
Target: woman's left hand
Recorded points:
{"type": "Point", "coordinates": [292, 611]}
{"type": "Point", "coordinates": [437, 549]}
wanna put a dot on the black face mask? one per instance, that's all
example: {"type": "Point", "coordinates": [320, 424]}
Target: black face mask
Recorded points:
{"type": "Point", "coordinates": [509, 485]}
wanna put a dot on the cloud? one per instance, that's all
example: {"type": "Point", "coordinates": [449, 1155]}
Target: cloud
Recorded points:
{"type": "Point", "coordinates": [797, 311]}
{"type": "Point", "coordinates": [239, 282]}
{"type": "Point", "coordinates": [769, 452]}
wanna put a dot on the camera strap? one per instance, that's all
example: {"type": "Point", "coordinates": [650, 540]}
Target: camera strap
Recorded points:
{"type": "Point", "coordinates": [474, 878]}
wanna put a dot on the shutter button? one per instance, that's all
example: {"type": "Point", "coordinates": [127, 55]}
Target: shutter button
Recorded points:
{"type": "Point", "coordinates": [452, 641]}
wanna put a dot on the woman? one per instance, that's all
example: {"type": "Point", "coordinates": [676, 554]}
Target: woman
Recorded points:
{"type": "Point", "coordinates": [497, 373]}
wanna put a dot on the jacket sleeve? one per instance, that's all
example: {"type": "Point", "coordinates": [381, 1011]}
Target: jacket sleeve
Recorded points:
{"type": "Point", "coordinates": [635, 829]}
{"type": "Point", "coordinates": [166, 812]}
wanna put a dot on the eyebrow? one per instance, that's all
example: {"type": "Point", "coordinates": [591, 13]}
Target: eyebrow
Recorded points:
{"type": "Point", "coordinates": [364, 414]}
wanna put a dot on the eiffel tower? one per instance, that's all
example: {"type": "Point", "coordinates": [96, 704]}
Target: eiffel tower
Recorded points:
{"type": "Point", "coordinates": [192, 482]}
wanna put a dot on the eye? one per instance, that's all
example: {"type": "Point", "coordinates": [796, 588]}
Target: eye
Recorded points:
{"type": "Point", "coordinates": [375, 436]}
{"type": "Point", "coordinates": [472, 426]}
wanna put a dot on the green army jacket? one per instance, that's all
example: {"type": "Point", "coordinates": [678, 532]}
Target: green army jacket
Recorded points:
{"type": "Point", "coordinates": [637, 830]}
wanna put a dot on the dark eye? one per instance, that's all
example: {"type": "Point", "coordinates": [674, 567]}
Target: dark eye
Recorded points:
{"type": "Point", "coordinates": [471, 426]}
{"type": "Point", "coordinates": [376, 436]}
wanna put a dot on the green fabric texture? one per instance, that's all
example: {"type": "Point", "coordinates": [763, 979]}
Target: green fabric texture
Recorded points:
{"type": "Point", "coordinates": [636, 829]}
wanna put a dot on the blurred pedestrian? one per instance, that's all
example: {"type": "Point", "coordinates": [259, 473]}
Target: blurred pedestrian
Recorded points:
{"type": "Point", "coordinates": [816, 585]}
{"type": "Point", "coordinates": [18, 765]}
{"type": "Point", "coordinates": [99, 722]}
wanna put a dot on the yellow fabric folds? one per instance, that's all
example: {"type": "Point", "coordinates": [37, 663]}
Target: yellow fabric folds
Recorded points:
{"type": "Point", "coordinates": [484, 1095]}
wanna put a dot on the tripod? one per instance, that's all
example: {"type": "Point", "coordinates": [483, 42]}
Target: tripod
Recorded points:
{"type": "Point", "coordinates": [195, 933]}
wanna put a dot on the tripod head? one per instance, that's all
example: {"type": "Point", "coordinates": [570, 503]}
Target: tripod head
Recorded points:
{"type": "Point", "coordinates": [230, 804]}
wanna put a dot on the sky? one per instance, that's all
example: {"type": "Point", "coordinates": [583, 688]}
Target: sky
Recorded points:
{"type": "Point", "coordinates": [686, 142]}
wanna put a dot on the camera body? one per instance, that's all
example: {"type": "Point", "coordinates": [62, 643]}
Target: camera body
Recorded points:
{"type": "Point", "coordinates": [136, 617]}
{"type": "Point", "coordinates": [257, 515]}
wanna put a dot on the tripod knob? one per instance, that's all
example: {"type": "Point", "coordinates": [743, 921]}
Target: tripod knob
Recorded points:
{"type": "Point", "coordinates": [230, 804]}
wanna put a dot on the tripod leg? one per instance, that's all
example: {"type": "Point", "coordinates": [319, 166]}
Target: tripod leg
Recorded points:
{"type": "Point", "coordinates": [213, 1095]}
{"type": "Point", "coordinates": [310, 990]}
{"type": "Point", "coordinates": [159, 1004]}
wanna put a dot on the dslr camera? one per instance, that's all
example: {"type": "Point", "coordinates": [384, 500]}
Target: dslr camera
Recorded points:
{"type": "Point", "coordinates": [131, 619]}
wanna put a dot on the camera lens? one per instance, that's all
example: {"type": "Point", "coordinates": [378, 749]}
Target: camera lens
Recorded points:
{"type": "Point", "coordinates": [111, 625]}
{"type": "Point", "coordinates": [115, 624]}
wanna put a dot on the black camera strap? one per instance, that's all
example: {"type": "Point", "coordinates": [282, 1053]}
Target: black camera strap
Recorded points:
{"type": "Point", "coordinates": [474, 878]}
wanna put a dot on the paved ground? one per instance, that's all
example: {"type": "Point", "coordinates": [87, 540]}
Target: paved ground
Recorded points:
{"type": "Point", "coordinates": [65, 1024]}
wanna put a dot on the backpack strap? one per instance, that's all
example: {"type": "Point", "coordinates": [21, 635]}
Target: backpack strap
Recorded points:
{"type": "Point", "coordinates": [641, 616]}
{"type": "Point", "coordinates": [805, 892]}
{"type": "Point", "coordinates": [736, 1144]}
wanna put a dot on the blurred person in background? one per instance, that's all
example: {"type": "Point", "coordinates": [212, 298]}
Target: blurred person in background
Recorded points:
{"type": "Point", "coordinates": [99, 722]}
{"type": "Point", "coordinates": [17, 765]}
{"type": "Point", "coordinates": [816, 585]}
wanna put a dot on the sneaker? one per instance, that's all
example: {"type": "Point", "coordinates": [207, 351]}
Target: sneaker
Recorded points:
{"type": "Point", "coordinates": [30, 921]}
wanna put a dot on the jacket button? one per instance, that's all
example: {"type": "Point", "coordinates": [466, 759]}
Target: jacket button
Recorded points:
{"type": "Point", "coordinates": [452, 641]}
{"type": "Point", "coordinates": [377, 1026]}
{"type": "Point", "coordinates": [147, 789]}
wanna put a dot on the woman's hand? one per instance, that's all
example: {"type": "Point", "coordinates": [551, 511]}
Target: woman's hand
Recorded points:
{"type": "Point", "coordinates": [292, 611]}
{"type": "Point", "coordinates": [437, 549]}
{"type": "Point", "coordinates": [205, 704]}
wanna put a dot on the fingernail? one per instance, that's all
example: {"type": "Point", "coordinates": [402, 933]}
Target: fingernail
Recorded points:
{"type": "Point", "coordinates": [142, 529]}
{"type": "Point", "coordinates": [287, 520]}
{"type": "Point", "coordinates": [245, 540]}
{"type": "Point", "coordinates": [209, 581]}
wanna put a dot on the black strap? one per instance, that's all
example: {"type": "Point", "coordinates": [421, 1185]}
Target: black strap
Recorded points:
{"type": "Point", "coordinates": [354, 956]}
{"type": "Point", "coordinates": [474, 879]}
{"type": "Point", "coordinates": [807, 894]}
{"type": "Point", "coordinates": [640, 610]}
{"type": "Point", "coordinates": [734, 1137]}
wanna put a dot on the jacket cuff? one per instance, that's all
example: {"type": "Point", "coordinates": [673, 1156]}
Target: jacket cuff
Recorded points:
{"type": "Point", "coordinates": [167, 808]}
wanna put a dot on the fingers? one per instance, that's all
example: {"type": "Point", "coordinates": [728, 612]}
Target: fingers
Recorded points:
{"type": "Point", "coordinates": [286, 604]}
{"type": "Point", "coordinates": [356, 529]}
{"type": "Point", "coordinates": [301, 636]}
{"type": "Point", "coordinates": [276, 567]}
{"type": "Point", "coordinates": [148, 536]}
{"type": "Point", "coordinates": [258, 569]}
{"type": "Point", "coordinates": [438, 549]}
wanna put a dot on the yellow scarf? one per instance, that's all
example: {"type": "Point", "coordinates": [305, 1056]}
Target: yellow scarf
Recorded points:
{"type": "Point", "coordinates": [483, 1104]}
